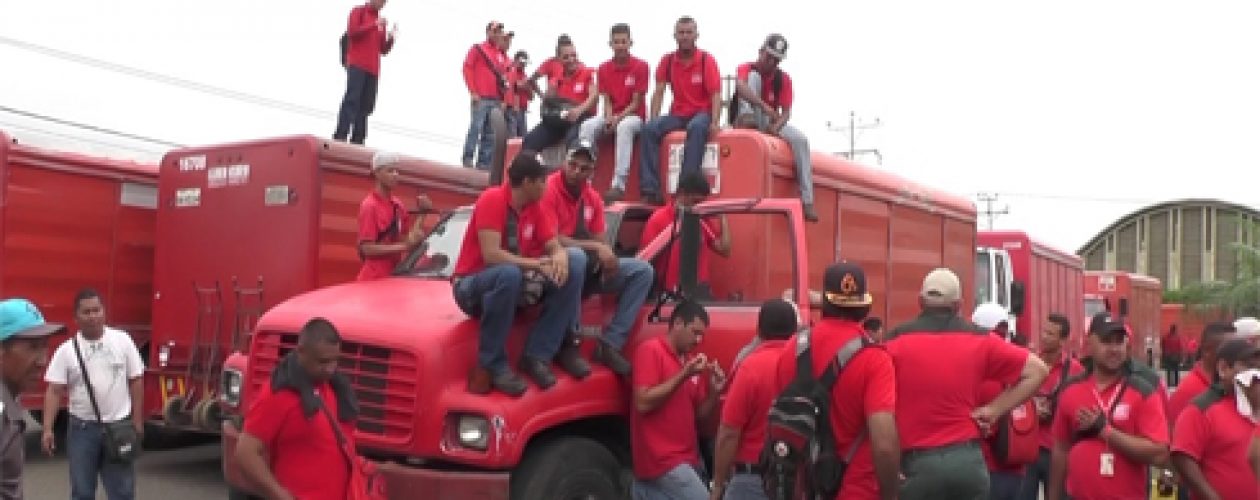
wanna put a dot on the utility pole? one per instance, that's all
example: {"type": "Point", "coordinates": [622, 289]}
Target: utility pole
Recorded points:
{"type": "Point", "coordinates": [989, 212]}
{"type": "Point", "coordinates": [852, 129]}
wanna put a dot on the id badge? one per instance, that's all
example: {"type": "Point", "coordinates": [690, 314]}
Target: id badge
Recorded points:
{"type": "Point", "coordinates": [1107, 464]}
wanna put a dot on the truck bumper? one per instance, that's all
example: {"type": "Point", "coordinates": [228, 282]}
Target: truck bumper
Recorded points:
{"type": "Point", "coordinates": [454, 485]}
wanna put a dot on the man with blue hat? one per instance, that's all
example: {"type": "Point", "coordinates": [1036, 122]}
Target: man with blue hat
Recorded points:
{"type": "Point", "coordinates": [23, 354]}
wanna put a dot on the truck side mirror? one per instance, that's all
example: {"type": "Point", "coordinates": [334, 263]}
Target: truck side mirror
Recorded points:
{"type": "Point", "coordinates": [1124, 307]}
{"type": "Point", "coordinates": [688, 252]}
{"type": "Point", "coordinates": [1017, 298]}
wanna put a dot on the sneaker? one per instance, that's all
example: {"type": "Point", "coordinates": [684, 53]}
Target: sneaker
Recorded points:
{"type": "Point", "coordinates": [570, 358]}
{"type": "Point", "coordinates": [614, 195]}
{"type": "Point", "coordinates": [508, 383]}
{"type": "Point", "coordinates": [607, 355]}
{"type": "Point", "coordinates": [539, 371]}
{"type": "Point", "coordinates": [809, 213]}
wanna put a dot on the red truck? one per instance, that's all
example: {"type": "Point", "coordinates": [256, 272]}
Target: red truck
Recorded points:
{"type": "Point", "coordinates": [69, 221]}
{"type": "Point", "coordinates": [245, 226]}
{"type": "Point", "coordinates": [409, 349]}
{"type": "Point", "coordinates": [1134, 297]}
{"type": "Point", "coordinates": [1031, 280]}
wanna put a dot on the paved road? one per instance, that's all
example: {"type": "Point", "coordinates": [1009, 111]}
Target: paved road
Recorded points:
{"type": "Point", "coordinates": [190, 472]}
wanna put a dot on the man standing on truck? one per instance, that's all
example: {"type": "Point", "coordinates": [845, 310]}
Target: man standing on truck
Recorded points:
{"type": "Point", "coordinates": [623, 81]}
{"type": "Point", "coordinates": [672, 395]}
{"type": "Point", "coordinates": [519, 95]}
{"type": "Point", "coordinates": [485, 76]}
{"type": "Point", "coordinates": [289, 447]}
{"type": "Point", "coordinates": [1062, 368]}
{"type": "Point", "coordinates": [105, 361]}
{"type": "Point", "coordinates": [693, 77]}
{"type": "Point", "coordinates": [382, 218]}
{"type": "Point", "coordinates": [939, 418]}
{"type": "Point", "coordinates": [23, 354]}
{"type": "Point", "coordinates": [579, 215]}
{"type": "Point", "coordinates": [366, 41]}
{"type": "Point", "coordinates": [763, 101]}
{"type": "Point", "coordinates": [693, 189]}
{"type": "Point", "coordinates": [511, 246]}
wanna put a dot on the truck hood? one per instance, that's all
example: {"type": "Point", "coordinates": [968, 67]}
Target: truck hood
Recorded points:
{"type": "Point", "coordinates": [374, 311]}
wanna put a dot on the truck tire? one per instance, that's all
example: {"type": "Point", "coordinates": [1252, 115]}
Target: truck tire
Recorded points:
{"type": "Point", "coordinates": [570, 468]}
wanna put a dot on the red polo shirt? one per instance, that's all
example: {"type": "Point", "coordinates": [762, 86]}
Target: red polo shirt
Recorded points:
{"type": "Point", "coordinates": [534, 228]}
{"type": "Point", "coordinates": [753, 388]}
{"type": "Point", "coordinates": [1047, 388]}
{"type": "Point", "coordinates": [577, 87]}
{"type": "Point", "coordinates": [1136, 414]}
{"type": "Point", "coordinates": [297, 445]}
{"type": "Point", "coordinates": [693, 82]}
{"type": "Point", "coordinates": [1218, 437]}
{"type": "Point", "coordinates": [621, 81]}
{"type": "Point", "coordinates": [866, 387]}
{"type": "Point", "coordinates": [479, 76]}
{"type": "Point", "coordinates": [658, 222]}
{"type": "Point", "coordinates": [562, 206]}
{"type": "Point", "coordinates": [367, 40]}
{"type": "Point", "coordinates": [780, 101]}
{"type": "Point", "coordinates": [550, 68]}
{"type": "Point", "coordinates": [518, 98]}
{"type": "Point", "coordinates": [664, 438]}
{"type": "Point", "coordinates": [375, 216]}
{"type": "Point", "coordinates": [1194, 385]}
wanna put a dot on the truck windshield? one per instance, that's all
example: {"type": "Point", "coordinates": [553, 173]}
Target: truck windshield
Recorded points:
{"type": "Point", "coordinates": [984, 278]}
{"type": "Point", "coordinates": [1094, 306]}
{"type": "Point", "coordinates": [436, 257]}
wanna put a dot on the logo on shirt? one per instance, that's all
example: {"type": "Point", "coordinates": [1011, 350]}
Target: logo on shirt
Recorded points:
{"type": "Point", "coordinates": [588, 213]}
{"type": "Point", "coordinates": [697, 78]}
{"type": "Point", "coordinates": [527, 232]}
{"type": "Point", "coordinates": [630, 80]}
{"type": "Point", "coordinates": [1122, 411]}
{"type": "Point", "coordinates": [578, 87]}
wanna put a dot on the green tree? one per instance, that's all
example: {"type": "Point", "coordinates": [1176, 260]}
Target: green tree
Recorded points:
{"type": "Point", "coordinates": [1236, 296]}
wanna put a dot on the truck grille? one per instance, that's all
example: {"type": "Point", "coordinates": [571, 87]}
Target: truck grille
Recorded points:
{"type": "Point", "coordinates": [384, 381]}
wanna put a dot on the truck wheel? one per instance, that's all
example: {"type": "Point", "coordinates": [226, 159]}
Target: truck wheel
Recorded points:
{"type": "Point", "coordinates": [569, 469]}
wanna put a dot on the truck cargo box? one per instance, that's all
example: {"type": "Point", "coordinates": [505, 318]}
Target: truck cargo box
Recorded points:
{"type": "Point", "coordinates": [1046, 281]}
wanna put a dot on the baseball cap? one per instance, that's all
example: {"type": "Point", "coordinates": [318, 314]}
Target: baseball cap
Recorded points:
{"type": "Point", "coordinates": [941, 287]}
{"type": "Point", "coordinates": [1108, 326]}
{"type": "Point", "coordinates": [776, 316]}
{"type": "Point", "coordinates": [988, 315]}
{"type": "Point", "coordinates": [844, 285]}
{"type": "Point", "coordinates": [776, 46]}
{"type": "Point", "coordinates": [521, 57]}
{"type": "Point", "coordinates": [1234, 350]}
{"type": "Point", "coordinates": [383, 159]}
{"type": "Point", "coordinates": [20, 318]}
{"type": "Point", "coordinates": [583, 146]}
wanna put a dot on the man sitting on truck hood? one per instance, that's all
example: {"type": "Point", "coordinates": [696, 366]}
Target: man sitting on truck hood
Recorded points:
{"type": "Point", "coordinates": [579, 214]}
{"type": "Point", "coordinates": [382, 218]}
{"type": "Point", "coordinates": [693, 188]}
{"type": "Point", "coordinates": [511, 242]}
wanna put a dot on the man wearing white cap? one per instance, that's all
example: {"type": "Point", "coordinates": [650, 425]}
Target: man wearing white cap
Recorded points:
{"type": "Point", "coordinates": [382, 218]}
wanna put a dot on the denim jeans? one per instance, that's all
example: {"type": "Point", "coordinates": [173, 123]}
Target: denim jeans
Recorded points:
{"type": "Point", "coordinates": [480, 138]}
{"type": "Point", "coordinates": [794, 137]}
{"type": "Point", "coordinates": [634, 279]}
{"type": "Point", "coordinates": [543, 136]}
{"type": "Point", "coordinates": [356, 105]}
{"type": "Point", "coordinates": [492, 294]}
{"type": "Point", "coordinates": [1036, 475]}
{"type": "Point", "coordinates": [627, 129]}
{"type": "Point", "coordinates": [85, 451]}
{"type": "Point", "coordinates": [1004, 485]}
{"type": "Point", "coordinates": [745, 487]}
{"type": "Point", "coordinates": [653, 134]}
{"type": "Point", "coordinates": [680, 483]}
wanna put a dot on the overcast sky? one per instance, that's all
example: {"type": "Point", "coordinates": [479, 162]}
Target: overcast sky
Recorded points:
{"type": "Point", "coordinates": [1075, 112]}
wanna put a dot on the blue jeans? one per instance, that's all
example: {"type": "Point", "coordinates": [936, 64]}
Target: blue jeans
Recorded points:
{"type": "Point", "coordinates": [492, 294]}
{"type": "Point", "coordinates": [1004, 485]}
{"type": "Point", "coordinates": [794, 137]}
{"type": "Point", "coordinates": [480, 138]}
{"type": "Point", "coordinates": [357, 104]}
{"type": "Point", "coordinates": [680, 483]}
{"type": "Point", "coordinates": [84, 449]}
{"type": "Point", "coordinates": [1036, 475]}
{"type": "Point", "coordinates": [654, 133]}
{"type": "Point", "coordinates": [634, 279]}
{"type": "Point", "coordinates": [745, 487]}
{"type": "Point", "coordinates": [516, 122]}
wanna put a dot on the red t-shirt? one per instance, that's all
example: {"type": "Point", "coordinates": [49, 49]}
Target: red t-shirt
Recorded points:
{"type": "Point", "coordinates": [935, 410]}
{"type": "Point", "coordinates": [866, 387]}
{"type": "Point", "coordinates": [693, 83]}
{"type": "Point", "coordinates": [620, 82]}
{"type": "Point", "coordinates": [367, 40]}
{"type": "Point", "coordinates": [479, 77]}
{"type": "Point", "coordinates": [518, 98]}
{"type": "Point", "coordinates": [780, 101]}
{"type": "Point", "coordinates": [534, 228]}
{"type": "Point", "coordinates": [562, 207]}
{"type": "Point", "coordinates": [658, 222]}
{"type": "Point", "coordinates": [1194, 385]}
{"type": "Point", "coordinates": [375, 215]}
{"type": "Point", "coordinates": [297, 445]}
{"type": "Point", "coordinates": [1135, 414]}
{"type": "Point", "coordinates": [1218, 438]}
{"type": "Point", "coordinates": [664, 438]}
{"type": "Point", "coordinates": [550, 68]}
{"type": "Point", "coordinates": [752, 390]}
{"type": "Point", "coordinates": [577, 87]}
{"type": "Point", "coordinates": [1171, 345]}
{"type": "Point", "coordinates": [1047, 388]}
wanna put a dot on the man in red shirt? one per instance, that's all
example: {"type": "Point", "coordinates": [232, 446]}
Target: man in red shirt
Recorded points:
{"type": "Point", "coordinates": [1109, 426]}
{"type": "Point", "coordinates": [579, 216]}
{"type": "Point", "coordinates": [1200, 377]}
{"type": "Point", "coordinates": [1062, 369]}
{"type": "Point", "coordinates": [485, 76]}
{"type": "Point", "coordinates": [696, 83]}
{"type": "Point", "coordinates": [366, 41]}
{"type": "Point", "coordinates": [1172, 349]}
{"type": "Point", "coordinates": [939, 417]}
{"type": "Point", "coordinates": [575, 88]}
{"type": "Point", "coordinates": [623, 81]}
{"type": "Point", "coordinates": [763, 101]}
{"type": "Point", "coordinates": [864, 397]}
{"type": "Point", "coordinates": [289, 428]}
{"type": "Point", "coordinates": [511, 254]}
{"type": "Point", "coordinates": [692, 189]}
{"type": "Point", "coordinates": [672, 393]}
{"type": "Point", "coordinates": [519, 95]}
{"type": "Point", "coordinates": [742, 431]}
{"type": "Point", "coordinates": [381, 220]}
{"type": "Point", "coordinates": [1212, 437]}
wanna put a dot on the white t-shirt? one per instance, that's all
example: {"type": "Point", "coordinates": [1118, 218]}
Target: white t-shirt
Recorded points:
{"type": "Point", "coordinates": [111, 361]}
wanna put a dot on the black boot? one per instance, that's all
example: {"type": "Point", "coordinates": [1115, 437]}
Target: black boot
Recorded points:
{"type": "Point", "coordinates": [539, 371]}
{"type": "Point", "coordinates": [570, 358]}
{"type": "Point", "coordinates": [509, 383]}
{"type": "Point", "coordinates": [611, 357]}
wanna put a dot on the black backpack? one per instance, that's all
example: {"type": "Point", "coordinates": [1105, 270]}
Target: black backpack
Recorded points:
{"type": "Point", "coordinates": [732, 107]}
{"type": "Point", "coordinates": [799, 460]}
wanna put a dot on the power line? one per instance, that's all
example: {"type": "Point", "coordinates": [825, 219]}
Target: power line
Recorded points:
{"type": "Point", "coordinates": [989, 212]}
{"type": "Point", "coordinates": [89, 140]}
{"type": "Point", "coordinates": [1098, 199]}
{"type": "Point", "coordinates": [85, 126]}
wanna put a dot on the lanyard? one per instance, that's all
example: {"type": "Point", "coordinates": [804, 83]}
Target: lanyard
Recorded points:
{"type": "Point", "coordinates": [1113, 401]}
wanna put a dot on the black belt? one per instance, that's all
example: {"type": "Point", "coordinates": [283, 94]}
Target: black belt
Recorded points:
{"type": "Point", "coordinates": [746, 468]}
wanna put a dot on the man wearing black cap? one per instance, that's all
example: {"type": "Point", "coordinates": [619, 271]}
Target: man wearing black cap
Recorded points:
{"type": "Point", "coordinates": [1109, 426]}
{"type": "Point", "coordinates": [1214, 433]}
{"type": "Point", "coordinates": [764, 102]}
{"type": "Point", "coordinates": [23, 354]}
{"type": "Point", "coordinates": [864, 397]}
{"type": "Point", "coordinates": [485, 76]}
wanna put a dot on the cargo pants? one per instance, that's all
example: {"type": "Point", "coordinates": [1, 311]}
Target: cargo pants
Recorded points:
{"type": "Point", "coordinates": [951, 472]}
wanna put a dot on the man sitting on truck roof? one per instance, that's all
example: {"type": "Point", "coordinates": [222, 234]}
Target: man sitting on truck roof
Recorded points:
{"type": "Point", "coordinates": [623, 81]}
{"type": "Point", "coordinates": [763, 101]}
{"type": "Point", "coordinates": [511, 248]}
{"type": "Point", "coordinates": [693, 188]}
{"type": "Point", "coordinates": [579, 215]}
{"type": "Point", "coordinates": [381, 219]}
{"type": "Point", "coordinates": [571, 100]}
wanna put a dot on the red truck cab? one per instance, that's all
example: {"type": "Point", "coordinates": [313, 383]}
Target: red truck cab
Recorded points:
{"type": "Point", "coordinates": [1135, 298]}
{"type": "Point", "coordinates": [1031, 280]}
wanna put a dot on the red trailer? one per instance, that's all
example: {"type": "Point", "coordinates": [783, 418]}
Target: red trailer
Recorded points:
{"type": "Point", "coordinates": [244, 226]}
{"type": "Point", "coordinates": [1135, 298]}
{"type": "Point", "coordinates": [1044, 281]}
{"type": "Point", "coordinates": [70, 221]}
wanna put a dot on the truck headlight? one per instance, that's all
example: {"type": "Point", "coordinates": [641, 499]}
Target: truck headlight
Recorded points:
{"type": "Point", "coordinates": [472, 431]}
{"type": "Point", "coordinates": [230, 392]}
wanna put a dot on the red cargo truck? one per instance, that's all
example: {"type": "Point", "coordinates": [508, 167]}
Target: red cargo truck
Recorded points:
{"type": "Point", "coordinates": [69, 221]}
{"type": "Point", "coordinates": [1031, 280]}
{"type": "Point", "coordinates": [245, 226]}
{"type": "Point", "coordinates": [1135, 298]}
{"type": "Point", "coordinates": [410, 355]}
